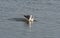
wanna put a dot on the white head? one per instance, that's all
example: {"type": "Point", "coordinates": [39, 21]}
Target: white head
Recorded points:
{"type": "Point", "coordinates": [31, 18]}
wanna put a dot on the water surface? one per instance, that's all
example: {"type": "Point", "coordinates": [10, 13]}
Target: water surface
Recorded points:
{"type": "Point", "coordinates": [46, 11]}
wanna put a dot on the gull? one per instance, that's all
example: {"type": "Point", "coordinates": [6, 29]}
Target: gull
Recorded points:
{"type": "Point", "coordinates": [29, 18]}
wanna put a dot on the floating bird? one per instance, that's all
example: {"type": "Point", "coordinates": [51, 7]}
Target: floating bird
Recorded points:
{"type": "Point", "coordinates": [29, 18]}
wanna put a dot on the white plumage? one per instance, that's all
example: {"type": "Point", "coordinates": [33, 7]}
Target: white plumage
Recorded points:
{"type": "Point", "coordinates": [29, 18]}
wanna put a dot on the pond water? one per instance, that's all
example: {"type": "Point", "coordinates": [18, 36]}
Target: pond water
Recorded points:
{"type": "Point", "coordinates": [13, 26]}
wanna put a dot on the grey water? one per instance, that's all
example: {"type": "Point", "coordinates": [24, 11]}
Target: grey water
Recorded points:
{"type": "Point", "coordinates": [46, 11]}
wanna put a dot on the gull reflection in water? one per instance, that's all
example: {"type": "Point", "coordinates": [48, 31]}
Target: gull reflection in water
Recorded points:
{"type": "Point", "coordinates": [29, 24]}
